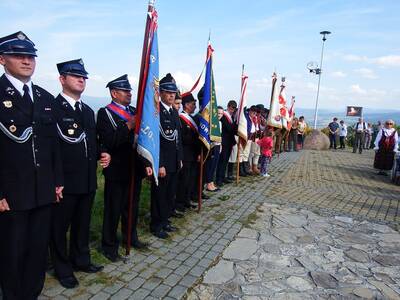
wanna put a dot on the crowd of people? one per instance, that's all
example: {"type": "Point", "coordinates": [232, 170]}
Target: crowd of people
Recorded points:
{"type": "Point", "coordinates": [51, 148]}
{"type": "Point", "coordinates": [383, 139]}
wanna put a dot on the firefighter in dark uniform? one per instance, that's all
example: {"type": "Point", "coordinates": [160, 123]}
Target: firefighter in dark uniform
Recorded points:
{"type": "Point", "coordinates": [228, 132]}
{"type": "Point", "coordinates": [31, 171]}
{"type": "Point", "coordinates": [163, 194]}
{"type": "Point", "coordinates": [191, 146]}
{"type": "Point", "coordinates": [79, 150]}
{"type": "Point", "coordinates": [115, 128]}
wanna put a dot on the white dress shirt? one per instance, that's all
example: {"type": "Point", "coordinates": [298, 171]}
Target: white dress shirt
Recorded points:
{"type": "Point", "coordinates": [71, 100]}
{"type": "Point", "coordinates": [19, 85]}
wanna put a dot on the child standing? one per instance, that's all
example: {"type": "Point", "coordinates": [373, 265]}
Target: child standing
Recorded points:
{"type": "Point", "coordinates": [266, 144]}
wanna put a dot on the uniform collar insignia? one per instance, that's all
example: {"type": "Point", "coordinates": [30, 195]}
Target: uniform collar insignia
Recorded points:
{"type": "Point", "coordinates": [37, 92]}
{"type": "Point", "coordinates": [10, 91]}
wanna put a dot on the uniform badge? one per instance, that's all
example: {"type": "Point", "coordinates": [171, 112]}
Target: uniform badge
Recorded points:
{"type": "Point", "coordinates": [13, 128]}
{"type": "Point", "coordinates": [7, 104]}
{"type": "Point", "coordinates": [21, 36]}
{"type": "Point", "coordinates": [75, 125]}
{"type": "Point", "coordinates": [71, 131]}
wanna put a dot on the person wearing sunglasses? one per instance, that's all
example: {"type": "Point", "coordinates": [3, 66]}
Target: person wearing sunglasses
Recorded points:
{"type": "Point", "coordinates": [386, 145]}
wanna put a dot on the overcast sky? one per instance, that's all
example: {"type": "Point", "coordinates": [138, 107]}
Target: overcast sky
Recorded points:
{"type": "Point", "coordinates": [361, 62]}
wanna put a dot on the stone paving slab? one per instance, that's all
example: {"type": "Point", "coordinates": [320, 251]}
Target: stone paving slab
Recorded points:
{"type": "Point", "coordinates": [326, 182]}
{"type": "Point", "coordinates": [318, 257]}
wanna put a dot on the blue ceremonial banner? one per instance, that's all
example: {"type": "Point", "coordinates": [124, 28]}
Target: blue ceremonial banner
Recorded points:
{"type": "Point", "coordinates": [209, 130]}
{"type": "Point", "coordinates": [204, 128]}
{"type": "Point", "coordinates": [148, 141]}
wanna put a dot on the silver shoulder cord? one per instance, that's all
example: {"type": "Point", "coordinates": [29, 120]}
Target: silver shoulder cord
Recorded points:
{"type": "Point", "coordinates": [114, 125]}
{"type": "Point", "coordinates": [18, 139]}
{"type": "Point", "coordinates": [171, 137]}
{"type": "Point", "coordinates": [71, 140]}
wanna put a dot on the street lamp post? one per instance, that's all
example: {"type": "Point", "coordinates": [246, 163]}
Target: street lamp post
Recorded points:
{"type": "Point", "coordinates": [318, 72]}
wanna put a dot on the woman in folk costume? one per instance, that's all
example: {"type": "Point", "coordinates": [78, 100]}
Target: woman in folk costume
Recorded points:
{"type": "Point", "coordinates": [386, 144]}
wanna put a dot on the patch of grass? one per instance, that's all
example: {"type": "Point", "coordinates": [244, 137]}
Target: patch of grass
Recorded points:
{"type": "Point", "coordinates": [213, 205]}
{"type": "Point", "coordinates": [97, 257]}
{"type": "Point", "coordinates": [224, 197]}
{"type": "Point", "coordinates": [250, 220]}
{"type": "Point", "coordinates": [219, 217]}
{"type": "Point", "coordinates": [101, 278]}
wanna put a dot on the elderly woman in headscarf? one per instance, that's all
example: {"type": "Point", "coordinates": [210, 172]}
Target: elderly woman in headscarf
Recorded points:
{"type": "Point", "coordinates": [386, 144]}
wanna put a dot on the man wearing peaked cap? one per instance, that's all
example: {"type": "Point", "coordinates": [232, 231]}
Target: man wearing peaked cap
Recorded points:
{"type": "Point", "coordinates": [191, 146]}
{"type": "Point", "coordinates": [115, 127]}
{"type": "Point", "coordinates": [80, 152]}
{"type": "Point", "coordinates": [163, 194]}
{"type": "Point", "coordinates": [120, 83]}
{"type": "Point", "coordinates": [73, 67]}
{"type": "Point", "coordinates": [31, 171]}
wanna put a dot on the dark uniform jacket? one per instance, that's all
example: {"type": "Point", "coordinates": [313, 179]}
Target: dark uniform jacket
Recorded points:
{"type": "Point", "coordinates": [170, 149]}
{"type": "Point", "coordinates": [190, 141]}
{"type": "Point", "coordinates": [228, 132]}
{"type": "Point", "coordinates": [118, 140]}
{"type": "Point", "coordinates": [31, 170]}
{"type": "Point", "coordinates": [79, 158]}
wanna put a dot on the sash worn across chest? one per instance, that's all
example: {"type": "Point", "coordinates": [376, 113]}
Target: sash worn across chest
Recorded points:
{"type": "Point", "coordinates": [123, 114]}
{"type": "Point", "coordinates": [228, 117]}
{"type": "Point", "coordinates": [189, 121]}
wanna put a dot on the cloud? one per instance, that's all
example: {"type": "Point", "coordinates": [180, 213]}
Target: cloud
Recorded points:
{"type": "Point", "coordinates": [352, 57]}
{"type": "Point", "coordinates": [383, 61]}
{"type": "Point", "coordinates": [355, 88]}
{"type": "Point", "coordinates": [366, 73]}
{"type": "Point", "coordinates": [184, 80]}
{"type": "Point", "coordinates": [338, 74]}
{"type": "Point", "coordinates": [387, 61]}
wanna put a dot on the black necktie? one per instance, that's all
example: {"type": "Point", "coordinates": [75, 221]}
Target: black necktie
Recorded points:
{"type": "Point", "coordinates": [77, 107]}
{"type": "Point", "coordinates": [170, 110]}
{"type": "Point", "coordinates": [78, 110]}
{"type": "Point", "coordinates": [27, 98]}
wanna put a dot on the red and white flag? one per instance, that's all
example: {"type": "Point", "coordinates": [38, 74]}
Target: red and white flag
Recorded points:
{"type": "Point", "coordinates": [274, 116]}
{"type": "Point", "coordinates": [241, 119]}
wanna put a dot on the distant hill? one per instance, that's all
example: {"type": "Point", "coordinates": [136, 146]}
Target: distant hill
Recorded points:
{"type": "Point", "coordinates": [324, 116]}
{"type": "Point", "coordinates": [96, 102]}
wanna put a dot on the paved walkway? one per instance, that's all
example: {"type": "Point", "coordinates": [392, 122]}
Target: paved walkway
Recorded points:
{"type": "Point", "coordinates": [329, 183]}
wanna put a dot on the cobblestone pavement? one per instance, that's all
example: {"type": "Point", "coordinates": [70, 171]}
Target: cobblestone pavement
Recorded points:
{"type": "Point", "coordinates": [307, 245]}
{"type": "Point", "coordinates": [329, 182]}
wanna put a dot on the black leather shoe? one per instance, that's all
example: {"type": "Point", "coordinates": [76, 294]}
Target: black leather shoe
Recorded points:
{"type": "Point", "coordinates": [170, 228]}
{"type": "Point", "coordinates": [176, 214]}
{"type": "Point", "coordinates": [112, 257]}
{"type": "Point", "coordinates": [69, 282]}
{"type": "Point", "coordinates": [139, 245]}
{"type": "Point", "coordinates": [160, 234]}
{"type": "Point", "coordinates": [90, 268]}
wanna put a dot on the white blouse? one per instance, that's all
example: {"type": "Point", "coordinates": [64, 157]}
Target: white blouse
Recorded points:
{"type": "Point", "coordinates": [388, 132]}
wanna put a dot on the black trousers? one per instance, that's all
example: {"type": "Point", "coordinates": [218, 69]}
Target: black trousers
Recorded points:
{"type": "Point", "coordinates": [342, 143]}
{"type": "Point", "coordinates": [23, 252]}
{"type": "Point", "coordinates": [116, 207]}
{"type": "Point", "coordinates": [358, 142]}
{"type": "Point", "coordinates": [162, 198]}
{"type": "Point", "coordinates": [186, 184]}
{"type": "Point", "coordinates": [72, 212]}
{"type": "Point", "coordinates": [223, 163]}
